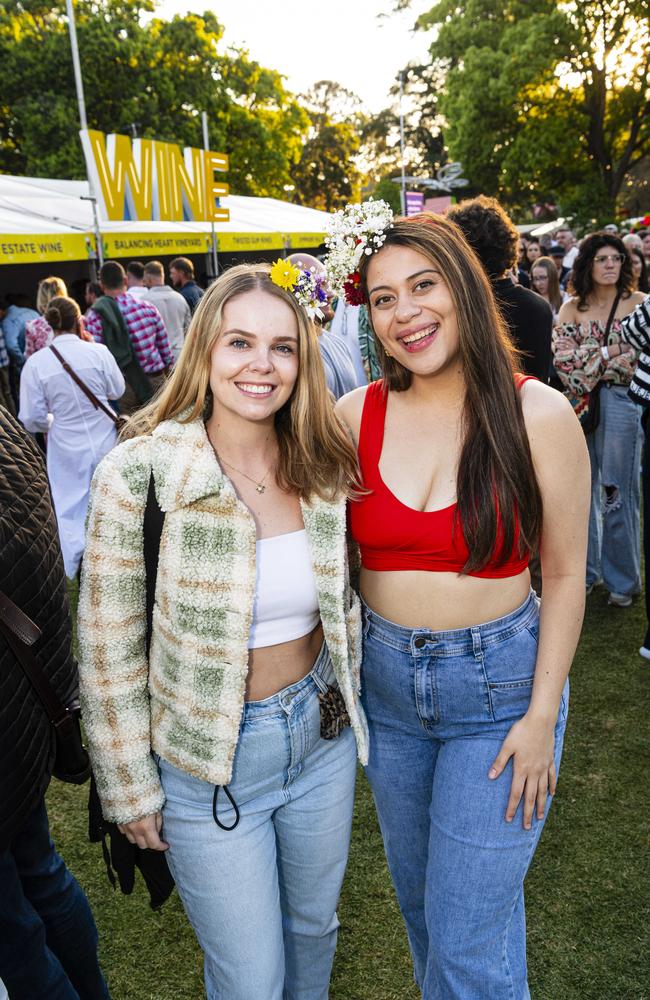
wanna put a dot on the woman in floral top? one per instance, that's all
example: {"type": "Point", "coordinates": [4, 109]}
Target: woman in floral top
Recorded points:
{"type": "Point", "coordinates": [585, 358]}
{"type": "Point", "coordinates": [38, 332]}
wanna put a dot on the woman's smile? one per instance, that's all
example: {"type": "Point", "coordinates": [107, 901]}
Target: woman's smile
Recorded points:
{"type": "Point", "coordinates": [419, 339]}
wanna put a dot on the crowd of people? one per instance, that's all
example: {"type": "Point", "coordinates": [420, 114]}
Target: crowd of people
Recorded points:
{"type": "Point", "coordinates": [306, 507]}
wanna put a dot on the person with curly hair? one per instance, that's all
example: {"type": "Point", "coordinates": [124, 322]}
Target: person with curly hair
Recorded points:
{"type": "Point", "coordinates": [494, 239]}
{"type": "Point", "coordinates": [592, 358]}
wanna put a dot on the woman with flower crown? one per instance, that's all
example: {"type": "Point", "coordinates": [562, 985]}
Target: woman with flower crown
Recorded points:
{"type": "Point", "coordinates": [229, 742]}
{"type": "Point", "coordinates": [467, 467]}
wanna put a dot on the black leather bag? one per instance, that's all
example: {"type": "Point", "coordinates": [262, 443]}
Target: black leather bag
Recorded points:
{"type": "Point", "coordinates": [71, 763]}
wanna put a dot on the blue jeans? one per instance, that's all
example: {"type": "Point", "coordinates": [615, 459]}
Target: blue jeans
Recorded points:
{"type": "Point", "coordinates": [614, 548]}
{"type": "Point", "coordinates": [439, 705]}
{"type": "Point", "coordinates": [262, 898]}
{"type": "Point", "coordinates": [48, 938]}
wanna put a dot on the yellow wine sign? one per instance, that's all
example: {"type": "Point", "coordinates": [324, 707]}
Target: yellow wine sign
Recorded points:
{"type": "Point", "coordinates": [144, 179]}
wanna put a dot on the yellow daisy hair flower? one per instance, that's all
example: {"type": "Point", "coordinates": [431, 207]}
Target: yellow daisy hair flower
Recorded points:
{"type": "Point", "coordinates": [285, 274]}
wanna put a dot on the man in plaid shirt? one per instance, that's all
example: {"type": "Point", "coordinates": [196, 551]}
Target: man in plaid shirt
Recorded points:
{"type": "Point", "coordinates": [145, 328]}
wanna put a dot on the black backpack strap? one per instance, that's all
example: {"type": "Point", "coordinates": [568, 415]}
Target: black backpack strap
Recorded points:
{"type": "Point", "coordinates": [153, 525]}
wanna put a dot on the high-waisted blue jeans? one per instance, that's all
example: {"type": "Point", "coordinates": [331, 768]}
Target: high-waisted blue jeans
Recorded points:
{"type": "Point", "coordinates": [614, 552]}
{"type": "Point", "coordinates": [439, 705]}
{"type": "Point", "coordinates": [262, 897]}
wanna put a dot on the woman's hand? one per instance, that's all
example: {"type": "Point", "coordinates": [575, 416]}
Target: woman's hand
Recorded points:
{"type": "Point", "coordinates": [564, 345]}
{"type": "Point", "coordinates": [145, 832]}
{"type": "Point", "coordinates": [530, 743]}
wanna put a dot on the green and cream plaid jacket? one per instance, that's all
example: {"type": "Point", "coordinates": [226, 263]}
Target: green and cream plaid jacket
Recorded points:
{"type": "Point", "coordinates": [186, 701]}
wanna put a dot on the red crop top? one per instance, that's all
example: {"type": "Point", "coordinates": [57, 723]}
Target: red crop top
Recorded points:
{"type": "Point", "coordinates": [393, 536]}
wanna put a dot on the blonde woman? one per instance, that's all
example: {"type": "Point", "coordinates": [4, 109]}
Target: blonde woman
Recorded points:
{"type": "Point", "coordinates": [228, 746]}
{"type": "Point", "coordinates": [38, 332]}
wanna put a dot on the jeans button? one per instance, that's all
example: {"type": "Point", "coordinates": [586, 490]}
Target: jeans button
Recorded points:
{"type": "Point", "coordinates": [420, 642]}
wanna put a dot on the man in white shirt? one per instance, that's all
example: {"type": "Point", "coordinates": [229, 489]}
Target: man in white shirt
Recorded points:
{"type": "Point", "coordinates": [171, 305]}
{"type": "Point", "coordinates": [135, 285]}
{"type": "Point", "coordinates": [567, 241]}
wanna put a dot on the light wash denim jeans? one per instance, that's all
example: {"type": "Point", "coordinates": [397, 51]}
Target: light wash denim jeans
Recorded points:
{"type": "Point", "coordinates": [439, 705]}
{"type": "Point", "coordinates": [262, 898]}
{"type": "Point", "coordinates": [614, 527]}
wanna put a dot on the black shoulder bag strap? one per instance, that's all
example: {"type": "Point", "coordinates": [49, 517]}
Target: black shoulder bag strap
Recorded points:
{"type": "Point", "coordinates": [610, 318]}
{"type": "Point", "coordinates": [21, 633]}
{"type": "Point", "coordinates": [592, 420]}
{"type": "Point", "coordinates": [97, 403]}
{"type": "Point", "coordinates": [154, 519]}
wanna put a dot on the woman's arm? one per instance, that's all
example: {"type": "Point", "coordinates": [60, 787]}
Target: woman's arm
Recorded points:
{"type": "Point", "coordinates": [635, 327]}
{"type": "Point", "coordinates": [113, 665]}
{"type": "Point", "coordinates": [349, 409]}
{"type": "Point", "coordinates": [33, 410]}
{"type": "Point", "coordinates": [577, 356]}
{"type": "Point", "coordinates": [562, 467]}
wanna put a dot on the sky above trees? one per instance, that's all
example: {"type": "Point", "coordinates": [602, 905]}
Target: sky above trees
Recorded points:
{"type": "Point", "coordinates": [344, 40]}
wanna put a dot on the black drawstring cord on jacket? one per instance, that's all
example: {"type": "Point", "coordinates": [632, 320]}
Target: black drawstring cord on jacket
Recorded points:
{"type": "Point", "coordinates": [232, 802]}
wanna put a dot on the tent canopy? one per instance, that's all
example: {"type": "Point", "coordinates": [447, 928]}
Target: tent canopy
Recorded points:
{"type": "Point", "coordinates": [49, 220]}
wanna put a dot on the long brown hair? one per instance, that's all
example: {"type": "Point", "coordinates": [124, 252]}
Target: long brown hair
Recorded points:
{"type": "Point", "coordinates": [496, 483]}
{"type": "Point", "coordinates": [554, 292]}
{"type": "Point", "coordinates": [316, 456]}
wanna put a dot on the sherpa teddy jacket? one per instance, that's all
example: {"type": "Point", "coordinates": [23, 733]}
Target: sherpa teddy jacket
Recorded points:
{"type": "Point", "coordinates": [185, 702]}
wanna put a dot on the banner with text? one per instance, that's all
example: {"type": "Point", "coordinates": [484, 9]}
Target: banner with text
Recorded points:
{"type": "Point", "coordinates": [144, 179]}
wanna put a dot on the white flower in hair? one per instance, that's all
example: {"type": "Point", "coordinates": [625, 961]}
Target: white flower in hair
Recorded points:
{"type": "Point", "coordinates": [353, 232]}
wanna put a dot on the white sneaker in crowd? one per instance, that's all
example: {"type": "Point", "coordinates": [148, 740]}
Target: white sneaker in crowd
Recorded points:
{"type": "Point", "coordinates": [644, 652]}
{"type": "Point", "coordinates": [619, 600]}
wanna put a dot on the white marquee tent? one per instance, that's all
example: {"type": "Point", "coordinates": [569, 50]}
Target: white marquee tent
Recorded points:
{"type": "Point", "coordinates": [51, 220]}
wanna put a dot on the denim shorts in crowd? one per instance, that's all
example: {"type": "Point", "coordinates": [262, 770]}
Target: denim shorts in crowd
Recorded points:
{"type": "Point", "coordinates": [262, 897]}
{"type": "Point", "coordinates": [439, 705]}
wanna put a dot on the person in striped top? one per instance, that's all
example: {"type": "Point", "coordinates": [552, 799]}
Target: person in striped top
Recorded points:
{"type": "Point", "coordinates": [635, 331]}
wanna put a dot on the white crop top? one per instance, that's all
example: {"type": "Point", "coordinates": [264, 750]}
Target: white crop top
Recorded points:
{"type": "Point", "coordinates": [286, 602]}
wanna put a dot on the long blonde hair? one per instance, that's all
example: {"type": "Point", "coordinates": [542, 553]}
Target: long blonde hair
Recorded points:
{"type": "Point", "coordinates": [48, 289]}
{"type": "Point", "coordinates": [316, 456]}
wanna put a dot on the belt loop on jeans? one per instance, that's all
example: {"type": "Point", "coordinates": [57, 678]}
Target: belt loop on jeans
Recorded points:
{"type": "Point", "coordinates": [476, 643]}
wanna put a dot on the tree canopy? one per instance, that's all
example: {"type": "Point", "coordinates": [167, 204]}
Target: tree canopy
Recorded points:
{"type": "Point", "coordinates": [544, 101]}
{"type": "Point", "coordinates": [327, 175]}
{"type": "Point", "coordinates": [145, 75]}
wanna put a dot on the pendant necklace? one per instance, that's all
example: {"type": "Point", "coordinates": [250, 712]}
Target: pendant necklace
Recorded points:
{"type": "Point", "coordinates": [259, 486]}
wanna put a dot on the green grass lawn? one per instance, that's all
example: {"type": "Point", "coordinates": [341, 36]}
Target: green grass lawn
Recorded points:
{"type": "Point", "coordinates": [588, 892]}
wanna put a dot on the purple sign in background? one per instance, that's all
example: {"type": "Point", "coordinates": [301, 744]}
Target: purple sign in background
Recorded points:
{"type": "Point", "coordinates": [414, 202]}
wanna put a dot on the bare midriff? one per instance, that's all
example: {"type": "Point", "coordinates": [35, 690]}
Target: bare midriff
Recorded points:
{"type": "Point", "coordinates": [272, 668]}
{"type": "Point", "coordinates": [441, 601]}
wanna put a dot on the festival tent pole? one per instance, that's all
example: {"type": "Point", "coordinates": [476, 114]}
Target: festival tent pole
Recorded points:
{"type": "Point", "coordinates": [81, 101]}
{"type": "Point", "coordinates": [206, 147]}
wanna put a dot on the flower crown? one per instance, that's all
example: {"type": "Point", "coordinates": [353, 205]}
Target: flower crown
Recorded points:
{"type": "Point", "coordinates": [353, 232]}
{"type": "Point", "coordinates": [307, 285]}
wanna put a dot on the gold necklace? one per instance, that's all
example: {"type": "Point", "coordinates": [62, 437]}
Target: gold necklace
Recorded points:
{"type": "Point", "coordinates": [260, 487]}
